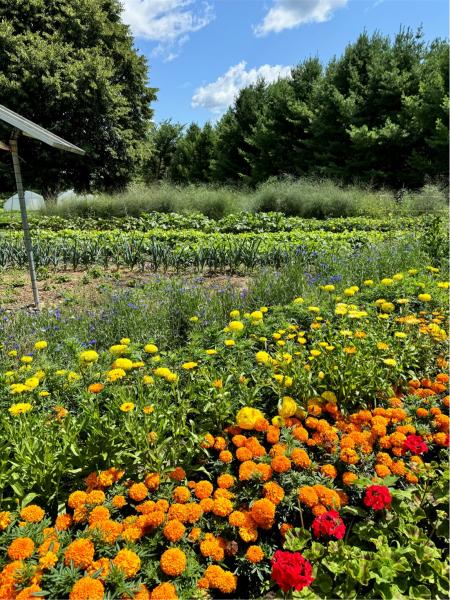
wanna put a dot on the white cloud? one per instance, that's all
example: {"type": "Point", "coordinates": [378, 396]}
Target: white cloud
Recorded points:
{"type": "Point", "coordinates": [168, 22]}
{"type": "Point", "coordinates": [220, 94]}
{"type": "Point", "coordinates": [287, 14]}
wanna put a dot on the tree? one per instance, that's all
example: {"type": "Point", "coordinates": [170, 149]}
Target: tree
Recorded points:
{"type": "Point", "coordinates": [191, 162]}
{"type": "Point", "coordinates": [163, 144]}
{"type": "Point", "coordinates": [70, 66]}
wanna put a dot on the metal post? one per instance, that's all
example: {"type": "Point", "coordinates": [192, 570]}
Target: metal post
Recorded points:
{"type": "Point", "coordinates": [23, 212]}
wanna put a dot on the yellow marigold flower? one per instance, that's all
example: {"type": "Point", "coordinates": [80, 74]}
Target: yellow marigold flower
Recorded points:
{"type": "Point", "coordinates": [398, 277]}
{"type": "Point", "coordinates": [316, 353]}
{"type": "Point", "coordinates": [72, 376]}
{"type": "Point", "coordinates": [41, 345]}
{"type": "Point", "coordinates": [44, 394]}
{"type": "Point", "coordinates": [235, 314]}
{"type": "Point", "coordinates": [189, 365]}
{"type": "Point", "coordinates": [400, 335]}
{"type": "Point", "coordinates": [247, 417]}
{"type": "Point", "coordinates": [127, 406]}
{"type": "Point", "coordinates": [26, 359]}
{"type": "Point", "coordinates": [89, 356]}
{"type": "Point", "coordinates": [128, 562]}
{"type": "Point", "coordinates": [350, 349]}
{"type": "Point", "coordinates": [173, 562]}
{"type": "Point", "coordinates": [329, 287]}
{"type": "Point", "coordinates": [193, 319]}
{"type": "Point", "coordinates": [211, 351]}
{"type": "Point", "coordinates": [424, 297]}
{"type": "Point", "coordinates": [123, 363]}
{"type": "Point", "coordinates": [298, 300]}
{"type": "Point", "coordinates": [263, 357]}
{"type": "Point", "coordinates": [229, 343]}
{"type": "Point", "coordinates": [387, 281]}
{"type": "Point", "coordinates": [314, 309]}
{"type": "Point", "coordinates": [387, 307]}
{"type": "Point", "coordinates": [118, 349]}
{"type": "Point", "coordinates": [148, 380]}
{"type": "Point", "coordinates": [390, 362]}
{"type": "Point", "coordinates": [147, 410]}
{"type": "Point", "coordinates": [235, 326]}
{"type": "Point", "coordinates": [443, 285]}
{"type": "Point", "coordinates": [151, 348]}
{"type": "Point", "coordinates": [20, 408]}
{"type": "Point", "coordinates": [287, 407]}
{"type": "Point", "coordinates": [12, 353]}
{"type": "Point", "coordinates": [87, 588]}
{"type": "Point", "coordinates": [115, 374]}
{"type": "Point", "coordinates": [18, 388]}
{"type": "Point", "coordinates": [32, 513]}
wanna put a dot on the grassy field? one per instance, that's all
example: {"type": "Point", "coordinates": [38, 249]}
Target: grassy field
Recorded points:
{"type": "Point", "coordinates": [201, 392]}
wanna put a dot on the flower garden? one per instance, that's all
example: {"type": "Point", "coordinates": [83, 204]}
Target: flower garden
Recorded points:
{"type": "Point", "coordinates": [291, 441]}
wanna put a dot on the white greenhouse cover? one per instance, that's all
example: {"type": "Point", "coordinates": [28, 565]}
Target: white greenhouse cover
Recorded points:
{"type": "Point", "coordinates": [33, 201]}
{"type": "Point", "coordinates": [70, 195]}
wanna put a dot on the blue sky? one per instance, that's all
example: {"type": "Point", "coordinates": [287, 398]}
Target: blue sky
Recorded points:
{"type": "Point", "coordinates": [200, 52]}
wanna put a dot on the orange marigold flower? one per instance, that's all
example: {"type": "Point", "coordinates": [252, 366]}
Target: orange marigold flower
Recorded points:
{"type": "Point", "coordinates": [349, 456]}
{"type": "Point", "coordinates": [142, 593]}
{"type": "Point", "coordinates": [118, 501]}
{"type": "Point", "coordinates": [247, 470]}
{"type": "Point", "coordinates": [29, 592]}
{"type": "Point", "coordinates": [220, 579]}
{"type": "Point", "coordinates": [173, 562]}
{"type": "Point", "coordinates": [263, 513]}
{"type": "Point", "coordinates": [319, 509]}
{"type": "Point", "coordinates": [138, 492]}
{"type": "Point", "coordinates": [300, 433]}
{"type": "Point", "coordinates": [5, 519]}
{"type": "Point", "coordinates": [206, 504]}
{"type": "Point", "coordinates": [225, 481]}
{"type": "Point", "coordinates": [99, 513]}
{"type": "Point", "coordinates": [32, 513]}
{"type": "Point", "coordinates": [48, 561]}
{"type": "Point", "coordinates": [273, 434]}
{"type": "Point", "coordinates": [77, 499]}
{"type": "Point", "coordinates": [284, 528]}
{"type": "Point", "coordinates": [132, 534]}
{"type": "Point", "coordinates": [152, 481]}
{"type": "Point", "coordinates": [255, 447]}
{"type": "Point", "coordinates": [128, 562]}
{"type": "Point", "coordinates": [222, 507]}
{"type": "Point", "coordinates": [261, 425]}
{"type": "Point", "coordinates": [203, 583]}
{"type": "Point", "coordinates": [21, 548]}
{"type": "Point", "coordinates": [96, 497]}
{"type": "Point", "coordinates": [194, 534]}
{"type": "Point", "coordinates": [194, 512]}
{"type": "Point", "coordinates": [157, 517]}
{"type": "Point", "coordinates": [243, 454]}
{"type": "Point", "coordinates": [300, 458]}
{"type": "Point", "coordinates": [382, 471]}
{"type": "Point", "coordinates": [203, 489]}
{"type": "Point", "coordinates": [280, 464]}
{"type": "Point", "coordinates": [80, 552]}
{"type": "Point", "coordinates": [87, 588]}
{"type": "Point", "coordinates": [237, 519]}
{"type": "Point", "coordinates": [208, 441]}
{"type": "Point", "coordinates": [225, 456]}
{"type": "Point", "coordinates": [181, 494]}
{"type": "Point", "coordinates": [398, 467]}
{"type": "Point", "coordinates": [329, 471]}
{"type": "Point", "coordinates": [50, 544]}
{"type": "Point", "coordinates": [63, 522]}
{"type": "Point", "coordinates": [273, 492]}
{"type": "Point", "coordinates": [239, 440]}
{"type": "Point", "coordinates": [174, 530]}
{"type": "Point", "coordinates": [220, 443]}
{"type": "Point", "coordinates": [164, 591]}
{"type": "Point", "coordinates": [178, 474]}
{"type": "Point", "coordinates": [264, 471]}
{"type": "Point", "coordinates": [254, 554]}
{"type": "Point", "coordinates": [96, 388]}
{"type": "Point", "coordinates": [308, 495]}
{"type": "Point", "coordinates": [411, 478]}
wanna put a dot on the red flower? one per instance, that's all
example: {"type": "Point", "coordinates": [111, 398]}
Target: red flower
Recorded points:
{"type": "Point", "coordinates": [415, 444]}
{"type": "Point", "coordinates": [377, 497]}
{"type": "Point", "coordinates": [291, 570]}
{"type": "Point", "coordinates": [329, 524]}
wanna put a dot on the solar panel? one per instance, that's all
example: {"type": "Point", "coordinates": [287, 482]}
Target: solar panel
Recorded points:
{"type": "Point", "coordinates": [32, 130]}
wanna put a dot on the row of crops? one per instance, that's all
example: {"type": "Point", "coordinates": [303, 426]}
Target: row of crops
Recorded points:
{"type": "Point", "coordinates": [234, 223]}
{"type": "Point", "coordinates": [183, 249]}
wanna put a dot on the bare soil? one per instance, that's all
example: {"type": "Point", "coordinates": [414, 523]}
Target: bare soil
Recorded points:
{"type": "Point", "coordinates": [60, 286]}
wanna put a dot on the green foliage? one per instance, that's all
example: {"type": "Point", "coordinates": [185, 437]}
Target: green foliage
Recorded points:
{"type": "Point", "coordinates": [79, 57]}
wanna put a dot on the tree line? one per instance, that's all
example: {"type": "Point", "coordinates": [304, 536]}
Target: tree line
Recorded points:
{"type": "Point", "coordinates": [377, 114]}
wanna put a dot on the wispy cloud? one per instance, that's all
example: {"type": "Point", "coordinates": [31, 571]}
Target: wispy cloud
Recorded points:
{"type": "Point", "coordinates": [287, 14]}
{"type": "Point", "coordinates": [220, 94]}
{"type": "Point", "coordinates": [168, 22]}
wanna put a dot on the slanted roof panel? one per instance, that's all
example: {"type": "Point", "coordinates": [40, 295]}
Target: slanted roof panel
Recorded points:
{"type": "Point", "coordinates": [35, 131]}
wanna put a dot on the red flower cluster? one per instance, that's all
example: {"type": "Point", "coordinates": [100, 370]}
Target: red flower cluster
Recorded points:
{"type": "Point", "coordinates": [291, 570]}
{"type": "Point", "coordinates": [377, 497]}
{"type": "Point", "coordinates": [415, 444]}
{"type": "Point", "coordinates": [329, 524]}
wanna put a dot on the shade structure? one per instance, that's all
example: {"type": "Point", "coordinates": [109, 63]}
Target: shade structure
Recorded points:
{"type": "Point", "coordinates": [20, 125]}
{"type": "Point", "coordinates": [37, 132]}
